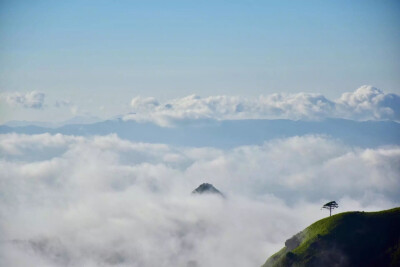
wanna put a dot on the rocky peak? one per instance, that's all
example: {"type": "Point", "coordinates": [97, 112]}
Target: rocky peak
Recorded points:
{"type": "Point", "coordinates": [206, 188]}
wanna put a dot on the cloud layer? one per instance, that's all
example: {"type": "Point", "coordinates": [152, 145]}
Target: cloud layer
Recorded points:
{"type": "Point", "coordinates": [33, 99]}
{"type": "Point", "coordinates": [104, 201]}
{"type": "Point", "coordinates": [366, 103]}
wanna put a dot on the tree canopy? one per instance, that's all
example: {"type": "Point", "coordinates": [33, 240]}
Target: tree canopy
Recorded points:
{"type": "Point", "coordinates": [330, 206]}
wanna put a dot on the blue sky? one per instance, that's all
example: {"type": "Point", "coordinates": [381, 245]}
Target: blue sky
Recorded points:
{"type": "Point", "coordinates": [103, 53]}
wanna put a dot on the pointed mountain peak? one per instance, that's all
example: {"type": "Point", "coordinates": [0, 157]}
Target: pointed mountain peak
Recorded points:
{"type": "Point", "coordinates": [206, 188]}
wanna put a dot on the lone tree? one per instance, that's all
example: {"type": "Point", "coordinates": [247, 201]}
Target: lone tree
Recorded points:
{"type": "Point", "coordinates": [330, 206]}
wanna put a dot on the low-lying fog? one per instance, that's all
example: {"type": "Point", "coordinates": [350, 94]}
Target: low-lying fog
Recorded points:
{"type": "Point", "coordinates": [104, 201]}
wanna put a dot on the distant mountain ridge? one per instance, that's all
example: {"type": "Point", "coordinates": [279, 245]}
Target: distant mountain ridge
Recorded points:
{"type": "Point", "coordinates": [347, 239]}
{"type": "Point", "coordinates": [231, 133]}
{"type": "Point", "coordinates": [73, 120]}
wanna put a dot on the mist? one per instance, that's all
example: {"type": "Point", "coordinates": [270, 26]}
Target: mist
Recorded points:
{"type": "Point", "coordinates": [105, 201]}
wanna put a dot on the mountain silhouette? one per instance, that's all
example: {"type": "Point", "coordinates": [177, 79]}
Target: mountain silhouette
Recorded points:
{"type": "Point", "coordinates": [230, 133]}
{"type": "Point", "coordinates": [347, 239]}
{"type": "Point", "coordinates": [206, 188]}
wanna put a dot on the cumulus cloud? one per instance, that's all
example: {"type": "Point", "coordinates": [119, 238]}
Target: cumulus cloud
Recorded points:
{"type": "Point", "coordinates": [366, 103]}
{"type": "Point", "coordinates": [144, 103]}
{"type": "Point", "coordinates": [34, 99]}
{"type": "Point", "coordinates": [104, 201]}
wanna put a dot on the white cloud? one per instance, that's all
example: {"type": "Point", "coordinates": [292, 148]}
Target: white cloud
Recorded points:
{"type": "Point", "coordinates": [34, 99]}
{"type": "Point", "coordinates": [368, 102]}
{"type": "Point", "coordinates": [140, 103]}
{"type": "Point", "coordinates": [365, 103]}
{"type": "Point", "coordinates": [103, 201]}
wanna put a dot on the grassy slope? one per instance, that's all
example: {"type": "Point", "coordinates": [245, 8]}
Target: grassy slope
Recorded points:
{"type": "Point", "coordinates": [346, 239]}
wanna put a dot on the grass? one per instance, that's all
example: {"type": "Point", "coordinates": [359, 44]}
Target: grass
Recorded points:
{"type": "Point", "coordinates": [346, 239]}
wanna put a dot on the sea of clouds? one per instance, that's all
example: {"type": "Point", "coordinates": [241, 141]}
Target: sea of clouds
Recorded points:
{"type": "Point", "coordinates": [365, 103]}
{"type": "Point", "coordinates": [105, 201]}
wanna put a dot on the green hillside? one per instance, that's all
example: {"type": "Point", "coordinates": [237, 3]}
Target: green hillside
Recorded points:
{"type": "Point", "coordinates": [345, 239]}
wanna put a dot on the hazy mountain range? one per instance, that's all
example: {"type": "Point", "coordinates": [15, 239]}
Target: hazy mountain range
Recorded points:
{"type": "Point", "coordinates": [228, 133]}
{"type": "Point", "coordinates": [73, 120]}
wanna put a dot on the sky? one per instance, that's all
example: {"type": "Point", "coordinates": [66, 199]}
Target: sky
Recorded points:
{"type": "Point", "coordinates": [92, 58]}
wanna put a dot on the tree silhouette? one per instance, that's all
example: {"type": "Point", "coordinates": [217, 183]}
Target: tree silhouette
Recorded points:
{"type": "Point", "coordinates": [330, 206]}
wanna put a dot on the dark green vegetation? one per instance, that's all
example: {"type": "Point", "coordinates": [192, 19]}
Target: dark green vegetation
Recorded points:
{"type": "Point", "coordinates": [330, 206]}
{"type": "Point", "coordinates": [346, 239]}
